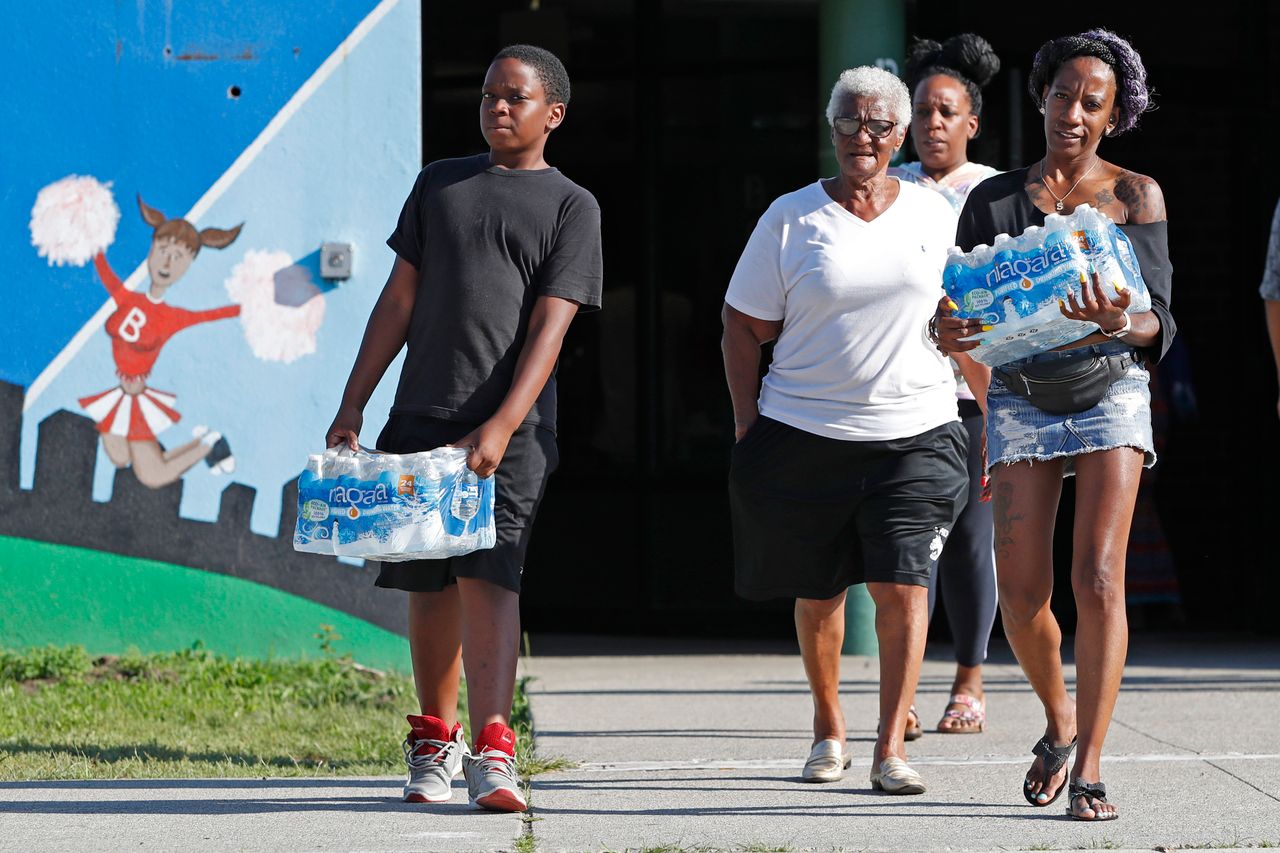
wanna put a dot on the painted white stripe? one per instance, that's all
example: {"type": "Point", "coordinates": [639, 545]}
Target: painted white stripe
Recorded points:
{"type": "Point", "coordinates": [101, 407]}
{"type": "Point", "coordinates": [220, 186]}
{"type": "Point", "coordinates": [157, 421]}
{"type": "Point", "coordinates": [164, 397]}
{"type": "Point", "coordinates": [124, 416]}
{"type": "Point", "coordinates": [792, 763]}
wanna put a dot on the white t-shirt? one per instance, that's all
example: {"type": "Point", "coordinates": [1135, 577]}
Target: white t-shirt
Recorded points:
{"type": "Point", "coordinates": [852, 360]}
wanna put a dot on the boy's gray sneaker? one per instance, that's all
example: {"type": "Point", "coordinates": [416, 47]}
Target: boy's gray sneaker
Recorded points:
{"type": "Point", "coordinates": [491, 771]}
{"type": "Point", "coordinates": [434, 756]}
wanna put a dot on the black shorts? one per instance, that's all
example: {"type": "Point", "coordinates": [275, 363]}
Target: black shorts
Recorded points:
{"type": "Point", "coordinates": [813, 515]}
{"type": "Point", "coordinates": [519, 482]}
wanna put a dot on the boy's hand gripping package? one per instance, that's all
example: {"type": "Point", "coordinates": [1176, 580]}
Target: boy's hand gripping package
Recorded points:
{"type": "Point", "coordinates": [1015, 285]}
{"type": "Point", "coordinates": [393, 507]}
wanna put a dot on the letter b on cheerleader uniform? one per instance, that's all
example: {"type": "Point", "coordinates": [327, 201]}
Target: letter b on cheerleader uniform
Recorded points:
{"type": "Point", "coordinates": [130, 328]}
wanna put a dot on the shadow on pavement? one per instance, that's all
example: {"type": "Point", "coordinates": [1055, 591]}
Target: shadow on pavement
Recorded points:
{"type": "Point", "coordinates": [255, 805]}
{"type": "Point", "coordinates": [1131, 683]}
{"type": "Point", "coordinates": [827, 809]}
{"type": "Point", "coordinates": [720, 734]}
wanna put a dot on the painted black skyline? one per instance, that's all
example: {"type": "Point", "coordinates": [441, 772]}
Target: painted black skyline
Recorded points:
{"type": "Point", "coordinates": [143, 522]}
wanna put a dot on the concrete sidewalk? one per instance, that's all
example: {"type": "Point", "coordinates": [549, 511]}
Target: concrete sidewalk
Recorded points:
{"type": "Point", "coordinates": [702, 752]}
{"type": "Point", "coordinates": [705, 751]}
{"type": "Point", "coordinates": [308, 814]}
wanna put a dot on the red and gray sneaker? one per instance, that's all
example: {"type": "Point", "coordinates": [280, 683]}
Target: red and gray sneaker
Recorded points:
{"type": "Point", "coordinates": [491, 771]}
{"type": "Point", "coordinates": [434, 755]}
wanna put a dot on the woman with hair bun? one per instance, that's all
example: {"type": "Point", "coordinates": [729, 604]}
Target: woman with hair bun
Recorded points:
{"type": "Point", "coordinates": [946, 82]}
{"type": "Point", "coordinates": [1088, 86]}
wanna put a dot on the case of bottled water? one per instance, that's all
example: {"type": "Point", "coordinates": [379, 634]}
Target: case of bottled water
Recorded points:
{"type": "Point", "coordinates": [1014, 286]}
{"type": "Point", "coordinates": [392, 507]}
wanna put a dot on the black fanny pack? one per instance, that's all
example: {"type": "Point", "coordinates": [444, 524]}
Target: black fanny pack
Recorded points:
{"type": "Point", "coordinates": [1064, 386]}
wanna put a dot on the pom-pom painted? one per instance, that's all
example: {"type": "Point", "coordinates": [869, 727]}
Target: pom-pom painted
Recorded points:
{"type": "Point", "coordinates": [73, 219]}
{"type": "Point", "coordinates": [281, 308]}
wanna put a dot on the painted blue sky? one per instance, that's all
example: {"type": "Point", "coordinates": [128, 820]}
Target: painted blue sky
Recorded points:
{"type": "Point", "coordinates": [141, 100]}
{"type": "Point", "coordinates": [338, 170]}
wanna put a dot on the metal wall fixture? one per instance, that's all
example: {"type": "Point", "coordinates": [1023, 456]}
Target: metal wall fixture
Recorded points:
{"type": "Point", "coordinates": [335, 261]}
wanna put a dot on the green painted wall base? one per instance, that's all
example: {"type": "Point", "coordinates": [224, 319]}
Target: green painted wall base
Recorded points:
{"type": "Point", "coordinates": [860, 623]}
{"type": "Point", "coordinates": [853, 33]}
{"type": "Point", "coordinates": [109, 603]}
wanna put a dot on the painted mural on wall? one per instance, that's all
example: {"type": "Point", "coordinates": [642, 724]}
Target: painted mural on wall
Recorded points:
{"type": "Point", "coordinates": [131, 414]}
{"type": "Point", "coordinates": [182, 353]}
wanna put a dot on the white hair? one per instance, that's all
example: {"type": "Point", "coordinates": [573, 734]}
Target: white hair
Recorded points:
{"type": "Point", "coordinates": [868, 81]}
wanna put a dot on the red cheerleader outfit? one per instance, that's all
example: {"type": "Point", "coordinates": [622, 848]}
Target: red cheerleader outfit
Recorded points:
{"type": "Point", "coordinates": [138, 329]}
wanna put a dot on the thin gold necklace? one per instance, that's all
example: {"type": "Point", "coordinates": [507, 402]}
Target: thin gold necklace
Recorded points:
{"type": "Point", "coordinates": [1061, 202]}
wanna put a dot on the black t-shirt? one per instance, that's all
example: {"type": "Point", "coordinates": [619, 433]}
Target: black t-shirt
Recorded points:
{"type": "Point", "coordinates": [487, 242]}
{"type": "Point", "coordinates": [1000, 205]}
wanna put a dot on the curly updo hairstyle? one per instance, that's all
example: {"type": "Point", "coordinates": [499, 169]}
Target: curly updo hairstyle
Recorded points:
{"type": "Point", "coordinates": [1133, 97]}
{"type": "Point", "coordinates": [967, 57]}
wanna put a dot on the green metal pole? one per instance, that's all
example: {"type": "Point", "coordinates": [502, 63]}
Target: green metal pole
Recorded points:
{"type": "Point", "coordinates": [852, 33]}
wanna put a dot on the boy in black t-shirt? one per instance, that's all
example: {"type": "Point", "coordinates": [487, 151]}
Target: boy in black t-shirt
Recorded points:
{"type": "Point", "coordinates": [495, 256]}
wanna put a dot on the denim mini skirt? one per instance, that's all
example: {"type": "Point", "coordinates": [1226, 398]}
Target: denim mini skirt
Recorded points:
{"type": "Point", "coordinates": [1018, 431]}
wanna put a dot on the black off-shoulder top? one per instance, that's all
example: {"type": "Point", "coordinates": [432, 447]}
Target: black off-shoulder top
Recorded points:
{"type": "Point", "coordinates": [1000, 205]}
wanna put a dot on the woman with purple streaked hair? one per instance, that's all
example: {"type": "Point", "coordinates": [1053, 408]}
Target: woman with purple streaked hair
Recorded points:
{"type": "Point", "coordinates": [1087, 86]}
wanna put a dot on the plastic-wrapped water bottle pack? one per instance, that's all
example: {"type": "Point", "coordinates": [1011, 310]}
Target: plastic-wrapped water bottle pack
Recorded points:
{"type": "Point", "coordinates": [1014, 286]}
{"type": "Point", "coordinates": [393, 507]}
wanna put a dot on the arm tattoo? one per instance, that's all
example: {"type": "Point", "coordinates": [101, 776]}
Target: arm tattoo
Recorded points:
{"type": "Point", "coordinates": [1005, 518]}
{"type": "Point", "coordinates": [1141, 197]}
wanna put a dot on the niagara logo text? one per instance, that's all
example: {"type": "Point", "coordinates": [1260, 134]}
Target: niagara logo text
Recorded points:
{"type": "Point", "coordinates": [1024, 267]}
{"type": "Point", "coordinates": [358, 497]}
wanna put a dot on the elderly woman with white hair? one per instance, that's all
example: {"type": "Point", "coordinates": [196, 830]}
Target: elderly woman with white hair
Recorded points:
{"type": "Point", "coordinates": [849, 465]}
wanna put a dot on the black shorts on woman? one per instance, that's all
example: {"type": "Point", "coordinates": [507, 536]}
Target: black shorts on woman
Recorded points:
{"type": "Point", "coordinates": [813, 515]}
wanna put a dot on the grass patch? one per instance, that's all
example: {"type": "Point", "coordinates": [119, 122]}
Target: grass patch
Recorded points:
{"type": "Point", "coordinates": [1102, 844]}
{"type": "Point", "coordinates": [64, 715]}
{"type": "Point", "coordinates": [525, 843]}
{"type": "Point", "coordinates": [49, 663]}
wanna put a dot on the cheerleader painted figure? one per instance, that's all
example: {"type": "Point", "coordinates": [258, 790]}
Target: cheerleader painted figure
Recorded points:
{"type": "Point", "coordinates": [130, 415]}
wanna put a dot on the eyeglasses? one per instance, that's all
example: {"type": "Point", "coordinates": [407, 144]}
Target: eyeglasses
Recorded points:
{"type": "Point", "coordinates": [876, 127]}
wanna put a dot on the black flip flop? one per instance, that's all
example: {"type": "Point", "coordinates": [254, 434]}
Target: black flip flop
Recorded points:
{"type": "Point", "coordinates": [1095, 791]}
{"type": "Point", "coordinates": [1055, 758]}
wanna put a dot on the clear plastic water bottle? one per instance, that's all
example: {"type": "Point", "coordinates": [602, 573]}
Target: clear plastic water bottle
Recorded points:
{"type": "Point", "coordinates": [466, 496]}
